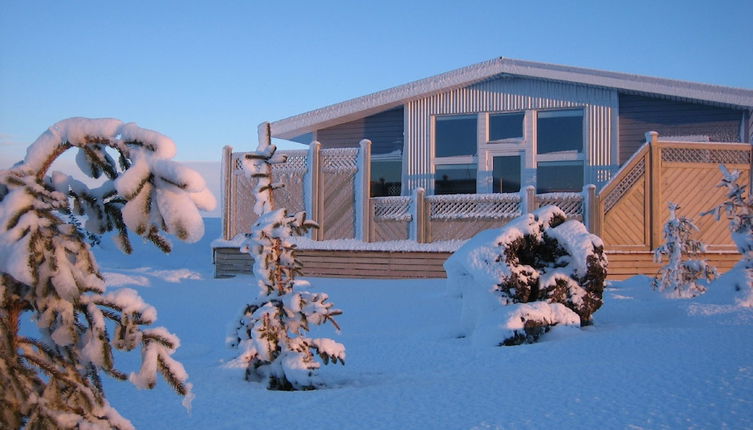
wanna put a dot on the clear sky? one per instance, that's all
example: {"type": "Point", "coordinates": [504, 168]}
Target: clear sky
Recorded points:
{"type": "Point", "coordinates": [206, 73]}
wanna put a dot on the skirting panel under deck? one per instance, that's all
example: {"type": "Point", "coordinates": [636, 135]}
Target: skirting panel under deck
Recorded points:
{"type": "Point", "coordinates": [403, 265]}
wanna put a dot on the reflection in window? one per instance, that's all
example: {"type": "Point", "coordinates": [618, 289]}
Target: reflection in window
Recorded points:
{"type": "Point", "coordinates": [559, 131]}
{"type": "Point", "coordinates": [385, 177]}
{"type": "Point", "coordinates": [455, 135]}
{"type": "Point", "coordinates": [455, 179]}
{"type": "Point", "coordinates": [506, 126]}
{"type": "Point", "coordinates": [506, 174]}
{"type": "Point", "coordinates": [559, 176]}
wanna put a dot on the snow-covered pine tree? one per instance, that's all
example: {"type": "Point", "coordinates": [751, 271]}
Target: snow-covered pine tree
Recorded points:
{"type": "Point", "coordinates": [48, 273]}
{"type": "Point", "coordinates": [739, 210]}
{"type": "Point", "coordinates": [271, 330]}
{"type": "Point", "coordinates": [681, 275]}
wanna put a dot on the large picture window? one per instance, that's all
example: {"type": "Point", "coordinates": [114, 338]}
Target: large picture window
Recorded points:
{"type": "Point", "coordinates": [506, 126]}
{"type": "Point", "coordinates": [455, 158]}
{"type": "Point", "coordinates": [455, 135]}
{"type": "Point", "coordinates": [559, 131]}
{"type": "Point", "coordinates": [559, 151]}
{"type": "Point", "coordinates": [559, 176]}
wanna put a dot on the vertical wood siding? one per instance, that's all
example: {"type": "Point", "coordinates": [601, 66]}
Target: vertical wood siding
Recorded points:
{"type": "Point", "coordinates": [639, 114]}
{"type": "Point", "coordinates": [507, 94]}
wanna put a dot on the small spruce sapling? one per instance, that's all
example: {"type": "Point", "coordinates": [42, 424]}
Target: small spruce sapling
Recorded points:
{"type": "Point", "coordinates": [48, 273]}
{"type": "Point", "coordinates": [271, 330]}
{"type": "Point", "coordinates": [739, 211]}
{"type": "Point", "coordinates": [681, 276]}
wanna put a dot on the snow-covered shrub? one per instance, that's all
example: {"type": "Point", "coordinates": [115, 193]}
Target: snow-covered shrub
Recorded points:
{"type": "Point", "coordinates": [535, 272]}
{"type": "Point", "coordinates": [739, 211]}
{"type": "Point", "coordinates": [681, 276]}
{"type": "Point", "coordinates": [270, 331]}
{"type": "Point", "coordinates": [49, 275]}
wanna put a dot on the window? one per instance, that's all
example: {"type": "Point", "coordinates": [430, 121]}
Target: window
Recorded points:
{"type": "Point", "coordinates": [455, 135]}
{"type": "Point", "coordinates": [559, 151]}
{"type": "Point", "coordinates": [559, 131]}
{"type": "Point", "coordinates": [455, 179]}
{"type": "Point", "coordinates": [559, 176]}
{"type": "Point", "coordinates": [455, 147]}
{"type": "Point", "coordinates": [385, 177]}
{"type": "Point", "coordinates": [506, 174]}
{"type": "Point", "coordinates": [505, 126]}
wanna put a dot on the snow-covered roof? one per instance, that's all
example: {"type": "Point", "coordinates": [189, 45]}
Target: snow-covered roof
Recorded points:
{"type": "Point", "coordinates": [382, 100]}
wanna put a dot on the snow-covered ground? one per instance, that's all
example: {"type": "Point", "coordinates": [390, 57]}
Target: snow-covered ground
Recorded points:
{"type": "Point", "coordinates": [647, 362]}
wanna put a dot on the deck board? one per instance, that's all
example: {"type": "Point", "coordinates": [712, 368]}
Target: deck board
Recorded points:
{"type": "Point", "coordinates": [405, 264]}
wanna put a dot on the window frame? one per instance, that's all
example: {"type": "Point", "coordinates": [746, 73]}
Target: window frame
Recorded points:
{"type": "Point", "coordinates": [526, 147]}
{"type": "Point", "coordinates": [562, 157]}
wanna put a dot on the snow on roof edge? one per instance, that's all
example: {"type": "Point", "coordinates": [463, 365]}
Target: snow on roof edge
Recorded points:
{"type": "Point", "coordinates": [389, 98]}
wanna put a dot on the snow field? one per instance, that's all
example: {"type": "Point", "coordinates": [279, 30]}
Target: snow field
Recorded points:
{"type": "Point", "coordinates": [647, 362]}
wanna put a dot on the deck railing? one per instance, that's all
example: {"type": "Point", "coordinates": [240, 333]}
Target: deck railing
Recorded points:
{"type": "Point", "coordinates": [333, 187]}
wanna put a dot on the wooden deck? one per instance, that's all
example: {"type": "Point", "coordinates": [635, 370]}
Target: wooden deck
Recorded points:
{"type": "Point", "coordinates": [406, 265]}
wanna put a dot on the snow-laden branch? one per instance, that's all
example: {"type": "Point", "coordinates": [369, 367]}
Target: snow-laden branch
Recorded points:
{"type": "Point", "coordinates": [47, 269]}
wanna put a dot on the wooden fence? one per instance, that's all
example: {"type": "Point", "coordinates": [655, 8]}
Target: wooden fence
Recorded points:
{"type": "Point", "coordinates": [333, 187]}
{"type": "Point", "coordinates": [633, 205]}
{"type": "Point", "coordinates": [629, 212]}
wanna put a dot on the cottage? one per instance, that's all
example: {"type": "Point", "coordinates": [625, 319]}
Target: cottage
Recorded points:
{"type": "Point", "coordinates": [447, 156]}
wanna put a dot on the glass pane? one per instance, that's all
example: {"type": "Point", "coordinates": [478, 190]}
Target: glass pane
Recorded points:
{"type": "Point", "coordinates": [506, 174]}
{"type": "Point", "coordinates": [385, 177]}
{"type": "Point", "coordinates": [555, 177]}
{"type": "Point", "coordinates": [455, 179]}
{"type": "Point", "coordinates": [506, 126]}
{"type": "Point", "coordinates": [559, 131]}
{"type": "Point", "coordinates": [455, 135]}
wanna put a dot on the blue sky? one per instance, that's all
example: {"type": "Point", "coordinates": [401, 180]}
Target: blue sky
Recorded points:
{"type": "Point", "coordinates": [206, 73]}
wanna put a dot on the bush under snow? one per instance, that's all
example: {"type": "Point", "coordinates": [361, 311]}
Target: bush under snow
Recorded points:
{"type": "Point", "coordinates": [536, 272]}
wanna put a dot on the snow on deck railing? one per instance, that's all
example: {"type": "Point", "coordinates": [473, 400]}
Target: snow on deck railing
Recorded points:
{"type": "Point", "coordinates": [570, 203]}
{"type": "Point", "coordinates": [394, 208]}
{"type": "Point", "coordinates": [473, 206]}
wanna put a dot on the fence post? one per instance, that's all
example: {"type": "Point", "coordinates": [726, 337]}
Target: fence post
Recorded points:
{"type": "Point", "coordinates": [418, 216]}
{"type": "Point", "coordinates": [311, 190]}
{"type": "Point", "coordinates": [589, 208]}
{"type": "Point", "coordinates": [527, 199]}
{"type": "Point", "coordinates": [363, 191]}
{"type": "Point", "coordinates": [227, 198]}
{"type": "Point", "coordinates": [654, 167]}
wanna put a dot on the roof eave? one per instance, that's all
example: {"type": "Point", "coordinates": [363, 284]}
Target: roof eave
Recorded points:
{"type": "Point", "coordinates": [382, 100]}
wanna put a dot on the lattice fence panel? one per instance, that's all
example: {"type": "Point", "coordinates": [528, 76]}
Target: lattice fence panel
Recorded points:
{"type": "Point", "coordinates": [391, 208]}
{"type": "Point", "coordinates": [291, 196]}
{"type": "Point", "coordinates": [473, 206]}
{"type": "Point", "coordinates": [625, 224]}
{"type": "Point", "coordinates": [291, 173]}
{"type": "Point", "coordinates": [338, 167]}
{"type": "Point", "coordinates": [637, 173]}
{"type": "Point", "coordinates": [242, 215]}
{"type": "Point", "coordinates": [705, 156]}
{"type": "Point", "coordinates": [570, 203]}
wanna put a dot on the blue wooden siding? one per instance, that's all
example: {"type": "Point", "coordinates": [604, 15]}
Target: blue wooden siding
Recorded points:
{"type": "Point", "coordinates": [385, 130]}
{"type": "Point", "coordinates": [639, 114]}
